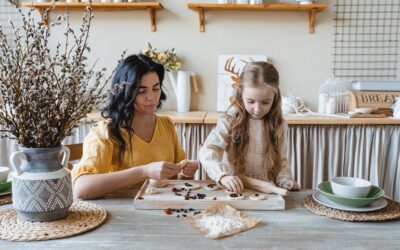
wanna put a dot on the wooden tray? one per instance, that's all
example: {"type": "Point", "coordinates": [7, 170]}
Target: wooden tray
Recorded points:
{"type": "Point", "coordinates": [167, 199]}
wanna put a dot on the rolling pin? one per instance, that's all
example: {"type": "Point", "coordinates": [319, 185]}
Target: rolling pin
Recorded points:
{"type": "Point", "coordinates": [262, 186]}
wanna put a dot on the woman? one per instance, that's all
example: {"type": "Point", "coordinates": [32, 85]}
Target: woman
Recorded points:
{"type": "Point", "coordinates": [134, 143]}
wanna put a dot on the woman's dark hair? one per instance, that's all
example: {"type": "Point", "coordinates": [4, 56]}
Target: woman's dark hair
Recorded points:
{"type": "Point", "coordinates": [125, 85]}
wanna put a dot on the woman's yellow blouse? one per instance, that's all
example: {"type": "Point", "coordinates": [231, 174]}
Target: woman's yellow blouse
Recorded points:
{"type": "Point", "coordinates": [100, 155]}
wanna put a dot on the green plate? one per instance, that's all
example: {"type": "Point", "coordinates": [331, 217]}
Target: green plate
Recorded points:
{"type": "Point", "coordinates": [375, 193]}
{"type": "Point", "coordinates": [4, 186]}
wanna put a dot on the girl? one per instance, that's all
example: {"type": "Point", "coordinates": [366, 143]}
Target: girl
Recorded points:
{"type": "Point", "coordinates": [134, 143]}
{"type": "Point", "coordinates": [250, 138]}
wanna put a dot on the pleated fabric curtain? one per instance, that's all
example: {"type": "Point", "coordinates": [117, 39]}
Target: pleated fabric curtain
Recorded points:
{"type": "Point", "coordinates": [191, 137]}
{"type": "Point", "coordinates": [320, 152]}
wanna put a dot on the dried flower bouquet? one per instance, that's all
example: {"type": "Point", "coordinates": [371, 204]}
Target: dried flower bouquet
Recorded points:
{"type": "Point", "coordinates": [167, 58]}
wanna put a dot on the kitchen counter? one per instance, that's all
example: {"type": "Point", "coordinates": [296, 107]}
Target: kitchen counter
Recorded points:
{"type": "Point", "coordinates": [295, 227]}
{"type": "Point", "coordinates": [177, 117]}
{"type": "Point", "coordinates": [212, 117]}
{"type": "Point", "coordinates": [318, 148]}
{"type": "Point", "coordinates": [205, 117]}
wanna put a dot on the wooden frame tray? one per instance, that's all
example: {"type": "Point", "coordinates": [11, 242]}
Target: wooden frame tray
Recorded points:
{"type": "Point", "coordinates": [167, 199]}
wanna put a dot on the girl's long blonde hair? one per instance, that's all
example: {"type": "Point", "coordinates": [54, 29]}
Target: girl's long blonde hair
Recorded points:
{"type": "Point", "coordinates": [256, 74]}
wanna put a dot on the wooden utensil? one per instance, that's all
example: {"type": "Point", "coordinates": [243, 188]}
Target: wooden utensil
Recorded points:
{"type": "Point", "coordinates": [262, 186]}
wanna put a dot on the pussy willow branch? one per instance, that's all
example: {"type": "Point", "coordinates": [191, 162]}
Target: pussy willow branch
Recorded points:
{"type": "Point", "coordinates": [14, 2]}
{"type": "Point", "coordinates": [44, 96]}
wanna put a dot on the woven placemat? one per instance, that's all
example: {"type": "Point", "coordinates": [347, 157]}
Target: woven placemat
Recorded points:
{"type": "Point", "coordinates": [390, 212]}
{"type": "Point", "coordinates": [6, 199]}
{"type": "Point", "coordinates": [83, 216]}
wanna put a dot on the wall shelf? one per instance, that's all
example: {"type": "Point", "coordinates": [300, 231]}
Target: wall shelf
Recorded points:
{"type": "Point", "coordinates": [63, 6]}
{"type": "Point", "coordinates": [310, 8]}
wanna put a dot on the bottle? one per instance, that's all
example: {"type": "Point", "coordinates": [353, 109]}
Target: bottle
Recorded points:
{"type": "Point", "coordinates": [330, 107]}
{"type": "Point", "coordinates": [322, 102]}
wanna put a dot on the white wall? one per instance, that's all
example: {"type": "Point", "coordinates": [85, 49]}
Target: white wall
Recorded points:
{"type": "Point", "coordinates": [303, 59]}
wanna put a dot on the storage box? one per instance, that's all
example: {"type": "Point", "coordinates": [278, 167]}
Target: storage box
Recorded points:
{"type": "Point", "coordinates": [370, 99]}
{"type": "Point", "coordinates": [375, 85]}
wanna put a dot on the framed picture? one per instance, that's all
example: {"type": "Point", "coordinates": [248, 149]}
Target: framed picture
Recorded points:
{"type": "Point", "coordinates": [225, 81]}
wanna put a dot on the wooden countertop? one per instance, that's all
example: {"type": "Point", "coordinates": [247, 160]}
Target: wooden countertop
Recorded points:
{"type": "Point", "coordinates": [212, 117]}
{"type": "Point", "coordinates": [293, 228]}
{"type": "Point", "coordinates": [176, 117]}
{"type": "Point", "coordinates": [205, 117]}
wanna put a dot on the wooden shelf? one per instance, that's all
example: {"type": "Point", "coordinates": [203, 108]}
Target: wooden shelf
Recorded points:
{"type": "Point", "coordinates": [150, 6]}
{"type": "Point", "coordinates": [310, 8]}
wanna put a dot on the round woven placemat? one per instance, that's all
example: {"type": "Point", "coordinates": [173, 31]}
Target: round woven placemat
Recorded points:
{"type": "Point", "coordinates": [390, 212]}
{"type": "Point", "coordinates": [6, 199]}
{"type": "Point", "coordinates": [83, 216]}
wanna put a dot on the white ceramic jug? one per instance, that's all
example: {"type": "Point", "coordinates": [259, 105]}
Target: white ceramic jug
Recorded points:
{"type": "Point", "coordinates": [181, 86]}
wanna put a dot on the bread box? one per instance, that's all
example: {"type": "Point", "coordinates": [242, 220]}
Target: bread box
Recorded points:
{"type": "Point", "coordinates": [371, 99]}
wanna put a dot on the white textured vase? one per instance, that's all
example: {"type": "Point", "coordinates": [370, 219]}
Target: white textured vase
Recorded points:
{"type": "Point", "coordinates": [41, 185]}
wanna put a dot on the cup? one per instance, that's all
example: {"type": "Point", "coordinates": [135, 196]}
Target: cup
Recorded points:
{"type": "Point", "coordinates": [4, 174]}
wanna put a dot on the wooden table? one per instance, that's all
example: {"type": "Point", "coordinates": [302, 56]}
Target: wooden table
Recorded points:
{"type": "Point", "coordinates": [295, 227]}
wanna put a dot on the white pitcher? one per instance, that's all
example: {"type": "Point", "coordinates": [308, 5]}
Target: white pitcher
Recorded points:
{"type": "Point", "coordinates": [182, 89]}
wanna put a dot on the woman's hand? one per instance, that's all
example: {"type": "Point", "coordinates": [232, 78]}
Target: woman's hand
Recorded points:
{"type": "Point", "coordinates": [161, 170]}
{"type": "Point", "coordinates": [291, 185]}
{"type": "Point", "coordinates": [232, 183]}
{"type": "Point", "coordinates": [190, 169]}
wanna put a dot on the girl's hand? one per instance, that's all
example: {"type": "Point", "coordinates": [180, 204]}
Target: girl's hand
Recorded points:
{"type": "Point", "coordinates": [190, 169]}
{"type": "Point", "coordinates": [232, 183]}
{"type": "Point", "coordinates": [161, 170]}
{"type": "Point", "coordinates": [291, 185]}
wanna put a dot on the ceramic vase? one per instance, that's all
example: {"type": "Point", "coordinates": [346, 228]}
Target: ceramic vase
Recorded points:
{"type": "Point", "coordinates": [41, 184]}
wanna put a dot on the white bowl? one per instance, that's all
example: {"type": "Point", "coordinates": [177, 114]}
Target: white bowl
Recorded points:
{"type": "Point", "coordinates": [350, 187]}
{"type": "Point", "coordinates": [363, 110]}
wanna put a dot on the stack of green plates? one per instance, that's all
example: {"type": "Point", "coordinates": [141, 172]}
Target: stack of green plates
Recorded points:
{"type": "Point", "coordinates": [375, 193]}
{"type": "Point", "coordinates": [4, 186]}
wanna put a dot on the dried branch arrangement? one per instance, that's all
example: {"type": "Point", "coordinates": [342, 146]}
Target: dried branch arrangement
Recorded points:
{"type": "Point", "coordinates": [44, 94]}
